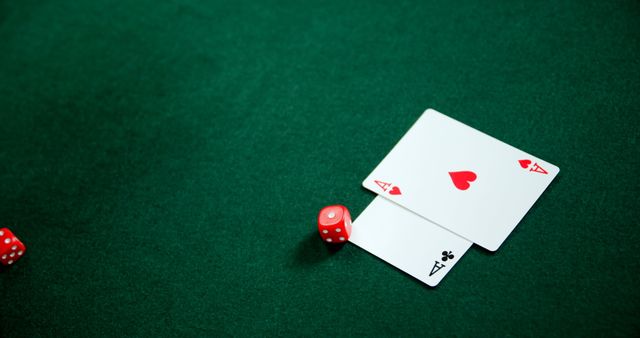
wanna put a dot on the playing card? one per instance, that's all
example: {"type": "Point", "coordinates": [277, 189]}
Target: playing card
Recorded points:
{"type": "Point", "coordinates": [461, 179]}
{"type": "Point", "coordinates": [407, 241]}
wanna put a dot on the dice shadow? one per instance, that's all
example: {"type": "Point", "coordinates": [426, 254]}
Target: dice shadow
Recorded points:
{"type": "Point", "coordinates": [311, 250]}
{"type": "Point", "coordinates": [16, 268]}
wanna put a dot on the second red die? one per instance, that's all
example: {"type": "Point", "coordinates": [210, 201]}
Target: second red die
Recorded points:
{"type": "Point", "coordinates": [11, 249]}
{"type": "Point", "coordinates": [334, 224]}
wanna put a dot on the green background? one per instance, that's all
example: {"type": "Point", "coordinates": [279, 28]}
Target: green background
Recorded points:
{"type": "Point", "coordinates": [164, 163]}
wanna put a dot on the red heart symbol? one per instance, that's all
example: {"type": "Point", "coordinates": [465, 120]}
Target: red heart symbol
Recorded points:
{"type": "Point", "coordinates": [395, 191]}
{"type": "Point", "coordinates": [525, 163]}
{"type": "Point", "coordinates": [461, 179]}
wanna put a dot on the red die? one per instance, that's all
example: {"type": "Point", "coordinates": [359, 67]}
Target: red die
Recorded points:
{"type": "Point", "coordinates": [11, 249]}
{"type": "Point", "coordinates": [334, 224]}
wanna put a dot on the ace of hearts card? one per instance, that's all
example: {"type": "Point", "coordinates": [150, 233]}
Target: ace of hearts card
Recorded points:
{"type": "Point", "coordinates": [461, 179]}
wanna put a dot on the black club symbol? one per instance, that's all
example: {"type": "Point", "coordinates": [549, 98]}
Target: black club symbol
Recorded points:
{"type": "Point", "coordinates": [446, 255]}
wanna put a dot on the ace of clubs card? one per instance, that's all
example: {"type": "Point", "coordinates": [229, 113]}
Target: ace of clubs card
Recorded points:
{"type": "Point", "coordinates": [407, 241]}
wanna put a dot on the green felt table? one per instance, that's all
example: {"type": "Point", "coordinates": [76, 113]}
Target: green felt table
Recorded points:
{"type": "Point", "coordinates": [164, 163]}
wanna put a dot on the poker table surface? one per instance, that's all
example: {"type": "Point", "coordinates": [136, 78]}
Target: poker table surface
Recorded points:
{"type": "Point", "coordinates": [164, 163]}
